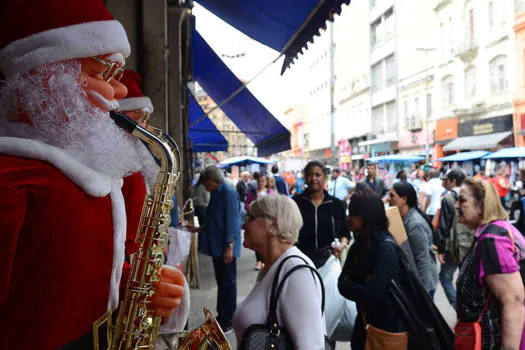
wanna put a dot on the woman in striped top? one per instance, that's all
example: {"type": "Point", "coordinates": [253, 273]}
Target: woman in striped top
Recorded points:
{"type": "Point", "coordinates": [490, 283]}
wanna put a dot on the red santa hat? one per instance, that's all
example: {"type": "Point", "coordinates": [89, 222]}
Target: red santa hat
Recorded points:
{"type": "Point", "coordinates": [135, 99]}
{"type": "Point", "coordinates": [38, 32]}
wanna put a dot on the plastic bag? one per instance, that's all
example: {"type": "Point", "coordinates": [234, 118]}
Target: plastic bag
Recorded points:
{"type": "Point", "coordinates": [344, 329]}
{"type": "Point", "coordinates": [334, 301]}
{"type": "Point", "coordinates": [179, 246]}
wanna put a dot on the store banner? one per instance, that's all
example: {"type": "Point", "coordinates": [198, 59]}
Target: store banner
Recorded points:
{"type": "Point", "coordinates": [485, 126]}
{"type": "Point", "coordinates": [447, 129]}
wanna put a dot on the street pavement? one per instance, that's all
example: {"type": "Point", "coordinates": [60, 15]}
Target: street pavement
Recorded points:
{"type": "Point", "coordinates": [206, 295]}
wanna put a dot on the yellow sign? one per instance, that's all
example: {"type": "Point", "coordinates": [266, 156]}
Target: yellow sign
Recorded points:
{"type": "Point", "coordinates": [482, 129]}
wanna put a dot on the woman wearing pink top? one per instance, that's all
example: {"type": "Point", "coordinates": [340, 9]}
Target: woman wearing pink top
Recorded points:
{"type": "Point", "coordinates": [490, 284]}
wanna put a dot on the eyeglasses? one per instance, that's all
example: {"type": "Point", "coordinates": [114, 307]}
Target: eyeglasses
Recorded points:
{"type": "Point", "coordinates": [113, 70]}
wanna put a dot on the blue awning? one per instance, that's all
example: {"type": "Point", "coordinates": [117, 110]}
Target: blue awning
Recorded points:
{"type": "Point", "coordinates": [514, 152]}
{"type": "Point", "coordinates": [244, 110]}
{"type": "Point", "coordinates": [284, 25]}
{"type": "Point", "coordinates": [464, 156]}
{"type": "Point", "coordinates": [204, 135]}
{"type": "Point", "coordinates": [244, 160]}
{"type": "Point", "coordinates": [395, 158]}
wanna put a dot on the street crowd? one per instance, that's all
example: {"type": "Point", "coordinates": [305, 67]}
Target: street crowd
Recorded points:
{"type": "Point", "coordinates": [369, 291]}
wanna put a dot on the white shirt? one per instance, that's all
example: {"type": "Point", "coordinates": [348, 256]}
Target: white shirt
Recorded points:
{"type": "Point", "coordinates": [298, 309]}
{"type": "Point", "coordinates": [433, 189]}
{"type": "Point", "coordinates": [339, 187]}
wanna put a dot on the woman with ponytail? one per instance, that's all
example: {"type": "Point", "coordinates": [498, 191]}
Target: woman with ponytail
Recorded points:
{"type": "Point", "coordinates": [420, 233]}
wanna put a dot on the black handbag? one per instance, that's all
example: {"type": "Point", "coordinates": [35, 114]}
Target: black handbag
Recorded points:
{"type": "Point", "coordinates": [271, 336]}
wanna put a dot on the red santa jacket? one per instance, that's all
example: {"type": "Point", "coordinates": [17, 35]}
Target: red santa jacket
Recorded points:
{"type": "Point", "coordinates": [62, 234]}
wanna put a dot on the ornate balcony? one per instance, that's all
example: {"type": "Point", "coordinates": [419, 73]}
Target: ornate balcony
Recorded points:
{"type": "Point", "coordinates": [467, 50]}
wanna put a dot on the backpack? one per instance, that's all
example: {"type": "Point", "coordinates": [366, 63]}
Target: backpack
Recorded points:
{"type": "Point", "coordinates": [461, 237]}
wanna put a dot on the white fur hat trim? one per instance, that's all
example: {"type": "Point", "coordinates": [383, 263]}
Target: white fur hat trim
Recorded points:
{"type": "Point", "coordinates": [76, 41]}
{"type": "Point", "coordinates": [134, 103]}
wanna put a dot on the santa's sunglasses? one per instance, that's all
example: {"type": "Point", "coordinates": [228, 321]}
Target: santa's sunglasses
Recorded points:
{"type": "Point", "coordinates": [113, 71]}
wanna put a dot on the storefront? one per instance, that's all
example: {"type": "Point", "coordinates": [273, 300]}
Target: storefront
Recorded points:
{"type": "Point", "coordinates": [381, 146]}
{"type": "Point", "coordinates": [446, 131]}
{"type": "Point", "coordinates": [483, 134]}
{"type": "Point", "coordinates": [359, 153]}
{"type": "Point", "coordinates": [414, 142]}
{"type": "Point", "coordinates": [345, 154]}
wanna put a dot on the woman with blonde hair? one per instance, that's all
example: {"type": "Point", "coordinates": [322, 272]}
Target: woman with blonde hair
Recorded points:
{"type": "Point", "coordinates": [490, 287]}
{"type": "Point", "coordinates": [271, 230]}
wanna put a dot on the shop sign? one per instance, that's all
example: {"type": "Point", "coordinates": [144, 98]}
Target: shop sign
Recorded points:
{"type": "Point", "coordinates": [447, 129]}
{"type": "Point", "coordinates": [485, 126]}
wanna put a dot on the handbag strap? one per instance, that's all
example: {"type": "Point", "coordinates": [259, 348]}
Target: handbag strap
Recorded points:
{"type": "Point", "coordinates": [275, 282]}
{"type": "Point", "coordinates": [278, 286]}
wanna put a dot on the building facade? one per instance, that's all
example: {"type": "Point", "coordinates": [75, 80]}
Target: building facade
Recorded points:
{"type": "Point", "coordinates": [398, 30]}
{"type": "Point", "coordinates": [475, 71]}
{"type": "Point", "coordinates": [238, 143]}
{"type": "Point", "coordinates": [519, 96]}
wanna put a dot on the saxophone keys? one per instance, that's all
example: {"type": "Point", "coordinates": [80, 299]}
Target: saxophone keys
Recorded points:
{"type": "Point", "coordinates": [144, 322]}
{"type": "Point", "coordinates": [162, 240]}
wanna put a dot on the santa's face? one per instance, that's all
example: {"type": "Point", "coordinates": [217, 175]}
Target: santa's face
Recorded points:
{"type": "Point", "coordinates": [101, 75]}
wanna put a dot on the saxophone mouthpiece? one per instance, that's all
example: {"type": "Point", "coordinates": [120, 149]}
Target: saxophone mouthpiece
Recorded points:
{"type": "Point", "coordinates": [124, 121]}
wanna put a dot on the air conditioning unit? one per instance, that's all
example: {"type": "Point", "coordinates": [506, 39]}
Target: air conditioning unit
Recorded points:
{"type": "Point", "coordinates": [415, 123]}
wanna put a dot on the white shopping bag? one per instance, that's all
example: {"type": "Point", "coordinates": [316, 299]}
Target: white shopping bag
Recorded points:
{"type": "Point", "coordinates": [334, 301]}
{"type": "Point", "coordinates": [344, 329]}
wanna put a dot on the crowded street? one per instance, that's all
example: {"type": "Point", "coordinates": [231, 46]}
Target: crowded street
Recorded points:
{"type": "Point", "coordinates": [262, 175]}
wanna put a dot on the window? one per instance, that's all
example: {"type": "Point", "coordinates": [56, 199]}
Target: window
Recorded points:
{"type": "Point", "coordinates": [429, 106]}
{"type": "Point", "coordinates": [471, 36]}
{"type": "Point", "coordinates": [416, 108]}
{"type": "Point", "coordinates": [389, 25]}
{"type": "Point", "coordinates": [376, 34]}
{"type": "Point", "coordinates": [377, 77]}
{"type": "Point", "coordinates": [390, 64]}
{"type": "Point", "coordinates": [450, 37]}
{"type": "Point", "coordinates": [391, 116]}
{"type": "Point", "coordinates": [406, 115]}
{"type": "Point", "coordinates": [448, 90]}
{"type": "Point", "coordinates": [470, 82]}
{"type": "Point", "coordinates": [491, 16]}
{"type": "Point", "coordinates": [377, 119]}
{"type": "Point", "coordinates": [498, 74]}
{"type": "Point", "coordinates": [442, 39]}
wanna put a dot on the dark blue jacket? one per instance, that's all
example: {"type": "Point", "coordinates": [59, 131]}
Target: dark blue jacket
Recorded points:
{"type": "Point", "coordinates": [223, 223]}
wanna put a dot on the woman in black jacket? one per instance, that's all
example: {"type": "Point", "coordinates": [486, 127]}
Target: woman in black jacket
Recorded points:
{"type": "Point", "coordinates": [371, 264]}
{"type": "Point", "coordinates": [323, 217]}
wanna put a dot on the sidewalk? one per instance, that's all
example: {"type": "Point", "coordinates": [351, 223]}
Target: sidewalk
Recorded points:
{"type": "Point", "coordinates": [246, 276]}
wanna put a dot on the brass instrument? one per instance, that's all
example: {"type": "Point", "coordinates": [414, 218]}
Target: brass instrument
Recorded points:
{"type": "Point", "coordinates": [192, 266]}
{"type": "Point", "coordinates": [136, 326]}
{"type": "Point", "coordinates": [209, 336]}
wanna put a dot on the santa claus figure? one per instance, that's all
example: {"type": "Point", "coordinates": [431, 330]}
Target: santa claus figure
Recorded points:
{"type": "Point", "coordinates": [63, 216]}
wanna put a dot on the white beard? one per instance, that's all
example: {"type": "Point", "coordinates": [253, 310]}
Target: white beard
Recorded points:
{"type": "Point", "coordinates": [62, 116]}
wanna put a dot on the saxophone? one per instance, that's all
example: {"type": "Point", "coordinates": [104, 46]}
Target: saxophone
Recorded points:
{"type": "Point", "coordinates": [136, 326]}
{"type": "Point", "coordinates": [192, 266]}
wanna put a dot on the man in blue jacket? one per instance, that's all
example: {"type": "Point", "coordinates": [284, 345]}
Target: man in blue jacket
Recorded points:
{"type": "Point", "coordinates": [280, 182]}
{"type": "Point", "coordinates": [222, 241]}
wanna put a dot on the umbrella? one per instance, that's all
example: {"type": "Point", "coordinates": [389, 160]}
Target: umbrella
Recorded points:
{"type": "Point", "coordinates": [514, 152]}
{"type": "Point", "coordinates": [464, 156]}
